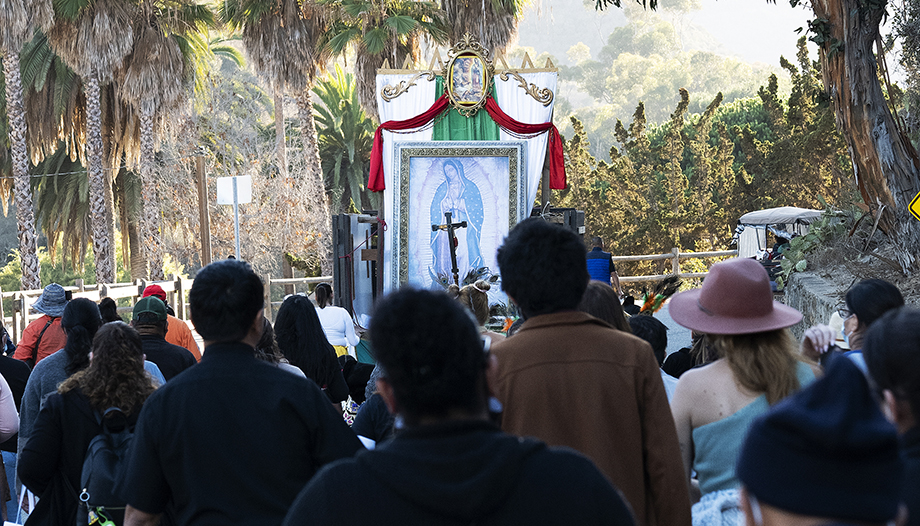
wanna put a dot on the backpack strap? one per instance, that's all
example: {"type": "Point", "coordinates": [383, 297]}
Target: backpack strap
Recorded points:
{"type": "Point", "coordinates": [39, 341]}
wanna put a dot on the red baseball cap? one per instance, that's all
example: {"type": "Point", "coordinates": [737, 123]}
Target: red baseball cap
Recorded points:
{"type": "Point", "coordinates": [155, 290]}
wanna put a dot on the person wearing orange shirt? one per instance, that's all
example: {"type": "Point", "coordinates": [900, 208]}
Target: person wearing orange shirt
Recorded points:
{"type": "Point", "coordinates": [44, 336]}
{"type": "Point", "coordinates": [177, 331]}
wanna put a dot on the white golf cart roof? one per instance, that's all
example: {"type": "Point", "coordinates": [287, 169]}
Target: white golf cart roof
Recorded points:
{"type": "Point", "coordinates": [785, 221]}
{"type": "Point", "coordinates": [786, 215]}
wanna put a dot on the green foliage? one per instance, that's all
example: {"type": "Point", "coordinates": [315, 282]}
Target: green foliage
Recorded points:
{"type": "Point", "coordinates": [685, 183]}
{"type": "Point", "coordinates": [345, 135]}
{"type": "Point", "coordinates": [820, 234]}
{"type": "Point", "coordinates": [371, 24]}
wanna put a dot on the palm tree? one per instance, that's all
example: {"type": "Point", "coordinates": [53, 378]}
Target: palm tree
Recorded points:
{"type": "Point", "coordinates": [93, 37]}
{"type": "Point", "coordinates": [282, 38]}
{"type": "Point", "coordinates": [493, 22]}
{"type": "Point", "coordinates": [346, 135]}
{"type": "Point", "coordinates": [165, 53]}
{"type": "Point", "coordinates": [15, 28]}
{"type": "Point", "coordinates": [382, 30]}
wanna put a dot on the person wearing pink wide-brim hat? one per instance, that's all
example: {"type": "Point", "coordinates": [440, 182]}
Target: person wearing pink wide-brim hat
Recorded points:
{"type": "Point", "coordinates": [758, 364]}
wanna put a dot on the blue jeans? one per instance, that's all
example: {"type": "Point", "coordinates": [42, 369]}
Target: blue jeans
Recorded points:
{"type": "Point", "coordinates": [9, 463]}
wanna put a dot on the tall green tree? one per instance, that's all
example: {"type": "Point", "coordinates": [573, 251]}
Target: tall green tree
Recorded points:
{"type": "Point", "coordinates": [282, 38]}
{"type": "Point", "coordinates": [93, 38]}
{"type": "Point", "coordinates": [16, 25]}
{"type": "Point", "coordinates": [346, 136]}
{"type": "Point", "coordinates": [169, 44]}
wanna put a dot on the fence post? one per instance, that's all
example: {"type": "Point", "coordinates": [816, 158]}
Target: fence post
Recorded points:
{"type": "Point", "coordinates": [267, 280]}
{"type": "Point", "coordinates": [79, 284]}
{"type": "Point", "coordinates": [675, 265]}
{"type": "Point", "coordinates": [180, 299]}
{"type": "Point", "coordinates": [23, 314]}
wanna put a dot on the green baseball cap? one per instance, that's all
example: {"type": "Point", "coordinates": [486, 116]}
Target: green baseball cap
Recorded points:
{"type": "Point", "coordinates": [152, 305]}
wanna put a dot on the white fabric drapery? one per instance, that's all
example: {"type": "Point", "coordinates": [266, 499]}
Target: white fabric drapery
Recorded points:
{"type": "Point", "coordinates": [523, 108]}
{"type": "Point", "coordinates": [409, 104]}
{"type": "Point", "coordinates": [510, 97]}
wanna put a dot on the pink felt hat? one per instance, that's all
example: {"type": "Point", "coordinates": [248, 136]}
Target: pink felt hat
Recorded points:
{"type": "Point", "coordinates": [735, 299]}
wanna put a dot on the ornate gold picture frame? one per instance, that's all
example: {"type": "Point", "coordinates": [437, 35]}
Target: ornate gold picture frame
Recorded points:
{"type": "Point", "coordinates": [468, 75]}
{"type": "Point", "coordinates": [480, 182]}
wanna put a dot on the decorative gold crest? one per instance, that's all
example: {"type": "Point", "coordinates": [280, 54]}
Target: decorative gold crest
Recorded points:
{"type": "Point", "coordinates": [468, 75]}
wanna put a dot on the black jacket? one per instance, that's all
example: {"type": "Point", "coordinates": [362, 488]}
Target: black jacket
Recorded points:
{"type": "Point", "coordinates": [910, 444]}
{"type": "Point", "coordinates": [171, 359]}
{"type": "Point", "coordinates": [461, 473]}
{"type": "Point", "coordinates": [54, 454]}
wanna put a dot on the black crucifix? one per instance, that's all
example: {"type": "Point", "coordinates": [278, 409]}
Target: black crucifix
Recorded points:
{"type": "Point", "coordinates": [451, 242]}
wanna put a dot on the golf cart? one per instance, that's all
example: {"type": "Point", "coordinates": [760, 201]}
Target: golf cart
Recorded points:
{"type": "Point", "coordinates": [783, 223]}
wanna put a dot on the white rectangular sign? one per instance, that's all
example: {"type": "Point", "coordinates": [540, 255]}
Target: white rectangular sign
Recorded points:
{"type": "Point", "coordinates": [225, 189]}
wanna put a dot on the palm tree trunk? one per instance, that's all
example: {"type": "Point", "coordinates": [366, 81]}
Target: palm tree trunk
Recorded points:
{"type": "Point", "coordinates": [885, 163]}
{"type": "Point", "coordinates": [121, 204]}
{"type": "Point", "coordinates": [150, 224]}
{"type": "Point", "coordinates": [102, 244]}
{"type": "Point", "coordinates": [25, 213]}
{"type": "Point", "coordinates": [280, 149]}
{"type": "Point", "coordinates": [314, 180]}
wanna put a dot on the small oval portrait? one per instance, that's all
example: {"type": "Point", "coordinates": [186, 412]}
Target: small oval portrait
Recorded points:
{"type": "Point", "coordinates": [467, 79]}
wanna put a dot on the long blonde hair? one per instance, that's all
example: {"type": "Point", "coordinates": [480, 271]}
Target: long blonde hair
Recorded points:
{"type": "Point", "coordinates": [763, 362]}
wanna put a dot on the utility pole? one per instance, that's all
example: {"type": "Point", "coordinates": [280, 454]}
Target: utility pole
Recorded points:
{"type": "Point", "coordinates": [204, 218]}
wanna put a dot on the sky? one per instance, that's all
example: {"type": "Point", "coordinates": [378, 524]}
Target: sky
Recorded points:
{"type": "Point", "coordinates": [753, 30]}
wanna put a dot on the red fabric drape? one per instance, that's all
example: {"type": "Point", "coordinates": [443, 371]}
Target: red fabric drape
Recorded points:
{"type": "Point", "coordinates": [557, 159]}
{"type": "Point", "coordinates": [556, 156]}
{"type": "Point", "coordinates": [375, 181]}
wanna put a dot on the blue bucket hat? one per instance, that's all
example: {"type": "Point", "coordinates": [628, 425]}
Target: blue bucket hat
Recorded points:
{"type": "Point", "coordinates": [52, 301]}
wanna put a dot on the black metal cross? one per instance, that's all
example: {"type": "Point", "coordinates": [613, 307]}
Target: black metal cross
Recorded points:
{"type": "Point", "coordinates": [452, 242]}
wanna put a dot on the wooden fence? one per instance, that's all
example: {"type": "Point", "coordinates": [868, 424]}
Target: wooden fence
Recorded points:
{"type": "Point", "coordinates": [675, 256]}
{"type": "Point", "coordinates": [176, 289]}
{"type": "Point", "coordinates": [20, 301]}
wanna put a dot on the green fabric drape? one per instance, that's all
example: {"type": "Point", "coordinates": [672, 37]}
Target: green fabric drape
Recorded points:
{"type": "Point", "coordinates": [455, 127]}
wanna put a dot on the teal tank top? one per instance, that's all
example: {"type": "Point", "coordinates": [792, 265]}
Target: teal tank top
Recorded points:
{"type": "Point", "coordinates": [716, 446]}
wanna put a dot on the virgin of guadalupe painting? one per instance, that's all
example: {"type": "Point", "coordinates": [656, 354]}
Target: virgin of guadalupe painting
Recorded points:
{"type": "Point", "coordinates": [461, 197]}
{"type": "Point", "coordinates": [479, 182]}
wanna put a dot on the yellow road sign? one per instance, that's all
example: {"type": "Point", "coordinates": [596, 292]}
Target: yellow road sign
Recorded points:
{"type": "Point", "coordinates": [915, 206]}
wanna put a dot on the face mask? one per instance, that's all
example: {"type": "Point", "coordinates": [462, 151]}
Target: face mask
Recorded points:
{"type": "Point", "coordinates": [846, 338]}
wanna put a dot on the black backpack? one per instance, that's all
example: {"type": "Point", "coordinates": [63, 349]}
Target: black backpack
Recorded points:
{"type": "Point", "coordinates": [103, 465]}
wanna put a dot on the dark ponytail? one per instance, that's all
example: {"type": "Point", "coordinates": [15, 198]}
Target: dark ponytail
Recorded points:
{"type": "Point", "coordinates": [323, 295]}
{"type": "Point", "coordinates": [81, 320]}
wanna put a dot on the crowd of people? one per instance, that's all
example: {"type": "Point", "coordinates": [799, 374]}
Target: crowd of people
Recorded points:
{"type": "Point", "coordinates": [572, 417]}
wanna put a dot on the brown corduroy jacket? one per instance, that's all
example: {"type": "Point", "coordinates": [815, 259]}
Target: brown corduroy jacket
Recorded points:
{"type": "Point", "coordinates": [570, 379]}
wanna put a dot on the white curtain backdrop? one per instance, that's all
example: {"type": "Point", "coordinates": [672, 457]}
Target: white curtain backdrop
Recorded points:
{"type": "Point", "coordinates": [411, 103]}
{"type": "Point", "coordinates": [510, 98]}
{"type": "Point", "coordinates": [524, 108]}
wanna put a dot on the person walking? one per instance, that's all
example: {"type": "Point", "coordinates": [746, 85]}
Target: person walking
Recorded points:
{"type": "Point", "coordinates": [177, 331]}
{"type": "Point", "coordinates": [601, 267]}
{"type": "Point", "coordinates": [52, 460]}
{"type": "Point", "coordinates": [448, 464]}
{"type": "Point", "coordinates": [572, 380]}
{"type": "Point", "coordinates": [233, 439]}
{"type": "Point", "coordinates": [44, 336]}
{"type": "Point", "coordinates": [150, 321]}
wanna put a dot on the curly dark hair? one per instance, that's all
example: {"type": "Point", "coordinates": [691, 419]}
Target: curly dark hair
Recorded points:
{"type": "Point", "coordinates": [543, 267]}
{"type": "Point", "coordinates": [301, 339]}
{"type": "Point", "coordinates": [431, 353]}
{"type": "Point", "coordinates": [115, 376]}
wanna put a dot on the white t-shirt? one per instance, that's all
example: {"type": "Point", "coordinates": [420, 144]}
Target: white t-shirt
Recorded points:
{"type": "Point", "coordinates": [337, 325]}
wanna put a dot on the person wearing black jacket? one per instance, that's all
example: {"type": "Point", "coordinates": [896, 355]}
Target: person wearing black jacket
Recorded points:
{"type": "Point", "coordinates": [448, 464]}
{"type": "Point", "coordinates": [150, 321]}
{"type": "Point", "coordinates": [52, 460]}
{"type": "Point", "coordinates": [892, 352]}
